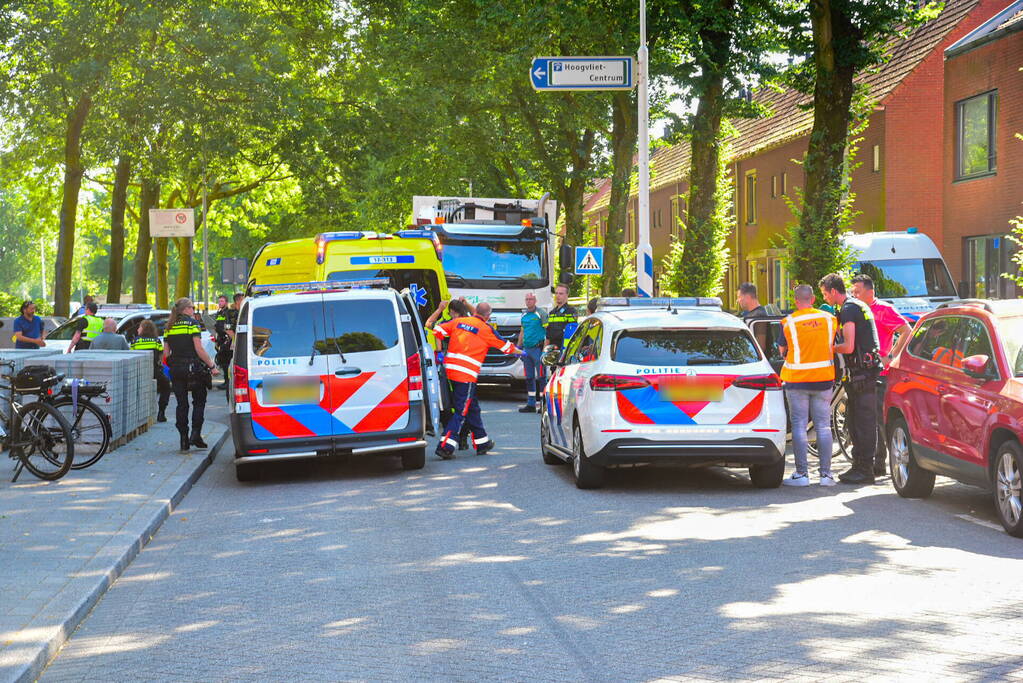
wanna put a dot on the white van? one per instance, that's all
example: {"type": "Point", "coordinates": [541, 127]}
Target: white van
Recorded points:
{"type": "Point", "coordinates": [332, 371]}
{"type": "Point", "coordinates": [906, 267]}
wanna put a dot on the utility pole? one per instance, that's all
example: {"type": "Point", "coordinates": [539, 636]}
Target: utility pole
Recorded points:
{"type": "Point", "coordinates": [644, 254]}
{"type": "Point", "coordinates": [42, 269]}
{"type": "Point", "coordinates": [205, 243]}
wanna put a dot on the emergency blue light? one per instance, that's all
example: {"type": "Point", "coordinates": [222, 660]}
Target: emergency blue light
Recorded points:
{"type": "Point", "coordinates": [658, 302]}
{"type": "Point", "coordinates": [320, 286]}
{"type": "Point", "coordinates": [912, 231]}
{"type": "Point", "coordinates": [425, 234]}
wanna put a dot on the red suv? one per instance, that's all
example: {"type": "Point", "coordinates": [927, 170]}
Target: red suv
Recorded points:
{"type": "Point", "coordinates": [954, 404]}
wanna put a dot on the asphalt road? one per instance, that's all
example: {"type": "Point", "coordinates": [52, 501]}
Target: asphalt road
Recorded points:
{"type": "Point", "coordinates": [497, 567]}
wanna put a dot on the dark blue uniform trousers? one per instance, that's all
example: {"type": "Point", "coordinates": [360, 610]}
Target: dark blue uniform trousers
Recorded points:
{"type": "Point", "coordinates": [467, 410]}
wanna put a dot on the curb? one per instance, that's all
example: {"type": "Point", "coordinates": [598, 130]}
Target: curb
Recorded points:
{"type": "Point", "coordinates": [48, 648]}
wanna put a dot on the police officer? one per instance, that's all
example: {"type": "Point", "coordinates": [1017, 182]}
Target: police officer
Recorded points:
{"type": "Point", "coordinates": [190, 369]}
{"type": "Point", "coordinates": [89, 327]}
{"type": "Point", "coordinates": [148, 340]}
{"type": "Point", "coordinates": [469, 338]}
{"type": "Point", "coordinates": [860, 349]}
{"type": "Point", "coordinates": [561, 321]}
{"type": "Point", "coordinates": [224, 322]}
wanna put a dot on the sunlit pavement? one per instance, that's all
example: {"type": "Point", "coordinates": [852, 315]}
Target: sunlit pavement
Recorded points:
{"type": "Point", "coordinates": [497, 567]}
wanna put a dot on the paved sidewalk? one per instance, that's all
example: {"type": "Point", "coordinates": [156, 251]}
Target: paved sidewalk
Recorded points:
{"type": "Point", "coordinates": [63, 543]}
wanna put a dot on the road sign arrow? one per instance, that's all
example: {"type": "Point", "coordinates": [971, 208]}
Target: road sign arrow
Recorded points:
{"type": "Point", "coordinates": [539, 73]}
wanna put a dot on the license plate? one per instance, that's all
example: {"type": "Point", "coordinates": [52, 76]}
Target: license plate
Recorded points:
{"type": "Point", "coordinates": [292, 392]}
{"type": "Point", "coordinates": [692, 390]}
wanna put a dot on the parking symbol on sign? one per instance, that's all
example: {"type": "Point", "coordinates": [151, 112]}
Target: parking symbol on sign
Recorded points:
{"type": "Point", "coordinates": [555, 66]}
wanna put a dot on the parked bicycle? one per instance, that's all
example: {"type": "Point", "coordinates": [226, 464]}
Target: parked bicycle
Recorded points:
{"type": "Point", "coordinates": [90, 425]}
{"type": "Point", "coordinates": [35, 434]}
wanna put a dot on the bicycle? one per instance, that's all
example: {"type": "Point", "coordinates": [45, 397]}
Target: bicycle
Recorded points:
{"type": "Point", "coordinates": [90, 426]}
{"type": "Point", "coordinates": [35, 434]}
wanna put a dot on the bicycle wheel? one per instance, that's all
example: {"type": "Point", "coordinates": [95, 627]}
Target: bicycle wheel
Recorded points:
{"type": "Point", "coordinates": [43, 441]}
{"type": "Point", "coordinates": [90, 429]}
{"type": "Point", "coordinates": [840, 428]}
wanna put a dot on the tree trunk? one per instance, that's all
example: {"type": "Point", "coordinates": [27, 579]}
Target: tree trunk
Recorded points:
{"type": "Point", "coordinates": [73, 172]}
{"type": "Point", "coordinates": [575, 190]}
{"type": "Point", "coordinates": [149, 198]}
{"type": "Point", "coordinates": [816, 250]}
{"type": "Point", "coordinates": [162, 271]}
{"type": "Point", "coordinates": [183, 283]}
{"type": "Point", "coordinates": [118, 205]}
{"type": "Point", "coordinates": [623, 147]}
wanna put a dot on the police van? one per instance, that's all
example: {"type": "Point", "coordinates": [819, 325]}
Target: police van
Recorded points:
{"type": "Point", "coordinates": [331, 368]}
{"type": "Point", "coordinates": [663, 380]}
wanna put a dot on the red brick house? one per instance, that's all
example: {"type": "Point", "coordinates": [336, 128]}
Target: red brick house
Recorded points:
{"type": "Point", "coordinates": [983, 175]}
{"type": "Point", "coordinates": [897, 182]}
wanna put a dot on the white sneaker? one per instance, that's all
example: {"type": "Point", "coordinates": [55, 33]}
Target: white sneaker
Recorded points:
{"type": "Point", "coordinates": [827, 480]}
{"type": "Point", "coordinates": [797, 479]}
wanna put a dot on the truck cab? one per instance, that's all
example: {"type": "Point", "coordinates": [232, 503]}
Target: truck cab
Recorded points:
{"type": "Point", "coordinates": [495, 251]}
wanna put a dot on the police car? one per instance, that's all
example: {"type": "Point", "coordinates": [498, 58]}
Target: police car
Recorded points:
{"type": "Point", "coordinates": [663, 380]}
{"type": "Point", "coordinates": [331, 368]}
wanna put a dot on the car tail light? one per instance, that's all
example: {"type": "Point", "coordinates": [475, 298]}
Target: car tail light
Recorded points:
{"type": "Point", "coordinates": [415, 372]}
{"type": "Point", "coordinates": [617, 382]}
{"type": "Point", "coordinates": [241, 384]}
{"type": "Point", "coordinates": [759, 382]}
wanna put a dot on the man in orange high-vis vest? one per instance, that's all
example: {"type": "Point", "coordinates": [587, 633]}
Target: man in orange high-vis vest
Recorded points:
{"type": "Point", "coordinates": [809, 378]}
{"type": "Point", "coordinates": [469, 339]}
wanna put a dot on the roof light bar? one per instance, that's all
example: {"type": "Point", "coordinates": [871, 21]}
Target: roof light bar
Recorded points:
{"type": "Point", "coordinates": [368, 283]}
{"type": "Point", "coordinates": [658, 302]}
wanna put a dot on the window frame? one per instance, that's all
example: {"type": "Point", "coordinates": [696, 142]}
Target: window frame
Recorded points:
{"type": "Point", "coordinates": [877, 159]}
{"type": "Point", "coordinates": [750, 198]}
{"type": "Point", "coordinates": [992, 155]}
{"type": "Point", "coordinates": [922, 331]}
{"type": "Point", "coordinates": [960, 339]}
{"type": "Point", "coordinates": [774, 187]}
{"type": "Point", "coordinates": [784, 184]}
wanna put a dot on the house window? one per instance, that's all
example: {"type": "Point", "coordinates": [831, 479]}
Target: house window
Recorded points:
{"type": "Point", "coordinates": [630, 231]}
{"type": "Point", "coordinates": [774, 187]}
{"type": "Point", "coordinates": [975, 135]}
{"type": "Point", "coordinates": [657, 218]}
{"type": "Point", "coordinates": [785, 184]}
{"type": "Point", "coordinates": [751, 197]}
{"type": "Point", "coordinates": [877, 158]}
{"type": "Point", "coordinates": [678, 211]}
{"type": "Point", "coordinates": [780, 283]}
{"type": "Point", "coordinates": [987, 257]}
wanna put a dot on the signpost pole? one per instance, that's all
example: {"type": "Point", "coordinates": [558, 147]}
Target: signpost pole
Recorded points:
{"type": "Point", "coordinates": [644, 254]}
{"type": "Point", "coordinates": [205, 243]}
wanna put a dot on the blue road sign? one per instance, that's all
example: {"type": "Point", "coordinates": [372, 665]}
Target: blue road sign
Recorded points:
{"type": "Point", "coordinates": [582, 73]}
{"type": "Point", "coordinates": [589, 260]}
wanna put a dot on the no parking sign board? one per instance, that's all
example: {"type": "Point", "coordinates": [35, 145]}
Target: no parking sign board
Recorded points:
{"type": "Point", "coordinates": [172, 222]}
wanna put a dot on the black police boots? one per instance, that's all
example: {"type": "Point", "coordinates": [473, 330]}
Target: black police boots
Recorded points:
{"type": "Point", "coordinates": [184, 440]}
{"type": "Point", "coordinates": [196, 440]}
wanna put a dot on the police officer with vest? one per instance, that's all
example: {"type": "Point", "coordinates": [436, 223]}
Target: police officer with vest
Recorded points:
{"type": "Point", "coordinates": [190, 370]}
{"type": "Point", "coordinates": [860, 349]}
{"type": "Point", "coordinates": [561, 321]}
{"type": "Point", "coordinates": [149, 340]}
{"type": "Point", "coordinates": [89, 327]}
{"type": "Point", "coordinates": [224, 322]}
{"type": "Point", "coordinates": [809, 378]}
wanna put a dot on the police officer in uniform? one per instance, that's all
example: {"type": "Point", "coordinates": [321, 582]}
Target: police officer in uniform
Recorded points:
{"type": "Point", "coordinates": [561, 321]}
{"type": "Point", "coordinates": [224, 327]}
{"type": "Point", "coordinates": [149, 340]}
{"type": "Point", "coordinates": [190, 369]}
{"type": "Point", "coordinates": [90, 326]}
{"type": "Point", "coordinates": [860, 349]}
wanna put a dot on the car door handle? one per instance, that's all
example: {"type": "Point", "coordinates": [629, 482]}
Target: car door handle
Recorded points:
{"type": "Point", "coordinates": [348, 371]}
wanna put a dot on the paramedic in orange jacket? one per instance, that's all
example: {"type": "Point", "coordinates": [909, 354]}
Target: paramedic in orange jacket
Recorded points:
{"type": "Point", "coordinates": [469, 338]}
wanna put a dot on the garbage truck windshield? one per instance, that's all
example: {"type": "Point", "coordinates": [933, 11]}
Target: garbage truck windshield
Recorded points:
{"type": "Point", "coordinates": [495, 263]}
{"type": "Point", "coordinates": [911, 277]}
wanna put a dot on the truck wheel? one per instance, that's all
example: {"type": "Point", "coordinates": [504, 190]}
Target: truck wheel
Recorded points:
{"type": "Point", "coordinates": [545, 439]}
{"type": "Point", "coordinates": [909, 479]}
{"type": "Point", "coordinates": [413, 459]}
{"type": "Point", "coordinates": [587, 475]}
{"type": "Point", "coordinates": [767, 476]}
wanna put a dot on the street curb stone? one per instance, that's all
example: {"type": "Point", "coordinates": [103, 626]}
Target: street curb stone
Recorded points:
{"type": "Point", "coordinates": [152, 516]}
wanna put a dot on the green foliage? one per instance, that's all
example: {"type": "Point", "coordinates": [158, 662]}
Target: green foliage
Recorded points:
{"type": "Point", "coordinates": [1017, 236]}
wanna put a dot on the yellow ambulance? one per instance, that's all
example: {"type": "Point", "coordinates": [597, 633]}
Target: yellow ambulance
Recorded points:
{"type": "Point", "coordinates": [409, 259]}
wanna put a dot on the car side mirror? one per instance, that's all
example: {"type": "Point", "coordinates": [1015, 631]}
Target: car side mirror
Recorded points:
{"type": "Point", "coordinates": [551, 358]}
{"type": "Point", "coordinates": [977, 366]}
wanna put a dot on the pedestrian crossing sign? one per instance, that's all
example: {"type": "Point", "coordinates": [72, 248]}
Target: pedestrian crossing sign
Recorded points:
{"type": "Point", "coordinates": [589, 260]}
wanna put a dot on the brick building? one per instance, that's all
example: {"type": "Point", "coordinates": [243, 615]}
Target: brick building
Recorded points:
{"type": "Point", "coordinates": [902, 166]}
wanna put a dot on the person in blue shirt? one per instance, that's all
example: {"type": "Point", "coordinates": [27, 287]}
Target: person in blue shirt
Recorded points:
{"type": "Point", "coordinates": [28, 328]}
{"type": "Point", "coordinates": [531, 340]}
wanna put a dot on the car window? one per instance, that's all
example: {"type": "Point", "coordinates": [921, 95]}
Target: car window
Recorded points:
{"type": "Point", "coordinates": [974, 340]}
{"type": "Point", "coordinates": [935, 340]}
{"type": "Point", "coordinates": [65, 331]}
{"type": "Point", "coordinates": [307, 328]}
{"type": "Point", "coordinates": [576, 342]}
{"type": "Point", "coordinates": [1010, 329]}
{"type": "Point", "coordinates": [685, 347]}
{"type": "Point", "coordinates": [589, 343]}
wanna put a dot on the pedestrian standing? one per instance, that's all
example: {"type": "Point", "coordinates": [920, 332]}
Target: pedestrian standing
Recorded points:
{"type": "Point", "coordinates": [87, 328]}
{"type": "Point", "coordinates": [532, 335]}
{"type": "Point", "coordinates": [561, 321]}
{"type": "Point", "coordinates": [889, 323]}
{"type": "Point", "coordinates": [859, 348]}
{"type": "Point", "coordinates": [809, 378]}
{"type": "Point", "coordinates": [108, 339]}
{"type": "Point", "coordinates": [148, 339]}
{"type": "Point", "coordinates": [222, 324]}
{"type": "Point", "coordinates": [190, 370]}
{"type": "Point", "coordinates": [469, 338]}
{"type": "Point", "coordinates": [749, 302]}
{"type": "Point", "coordinates": [28, 328]}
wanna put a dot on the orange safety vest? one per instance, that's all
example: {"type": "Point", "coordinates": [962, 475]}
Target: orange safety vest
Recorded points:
{"type": "Point", "coordinates": [945, 356]}
{"type": "Point", "coordinates": [809, 333]}
{"type": "Point", "coordinates": [469, 339]}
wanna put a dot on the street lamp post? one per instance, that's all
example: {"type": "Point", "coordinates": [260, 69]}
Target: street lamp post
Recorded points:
{"type": "Point", "coordinates": [644, 253]}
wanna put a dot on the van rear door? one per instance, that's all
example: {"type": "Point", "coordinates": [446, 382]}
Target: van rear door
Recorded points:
{"type": "Point", "coordinates": [288, 370]}
{"type": "Point", "coordinates": [368, 375]}
{"type": "Point", "coordinates": [427, 363]}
